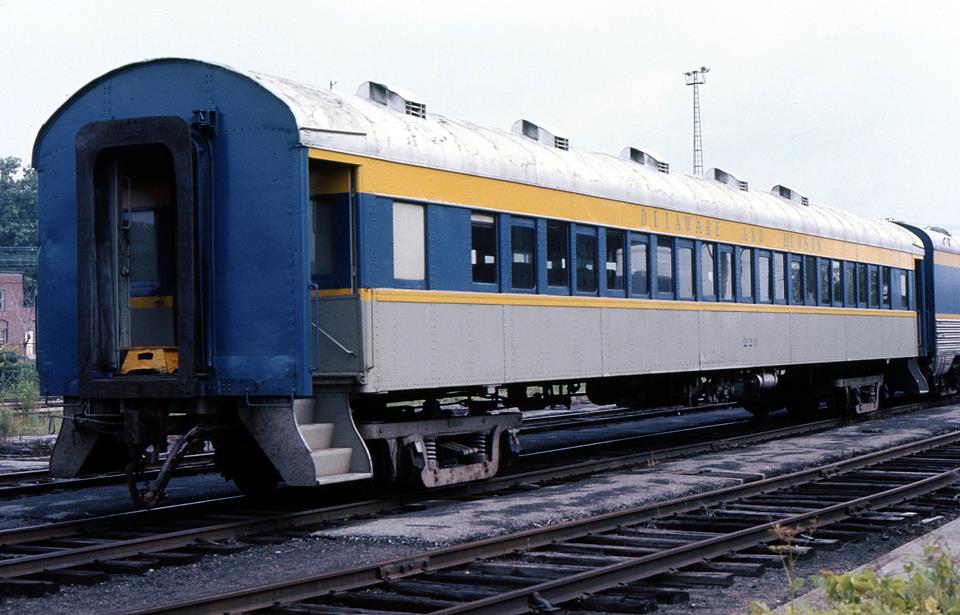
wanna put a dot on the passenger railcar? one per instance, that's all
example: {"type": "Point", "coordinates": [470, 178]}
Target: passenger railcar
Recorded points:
{"type": "Point", "coordinates": [304, 277]}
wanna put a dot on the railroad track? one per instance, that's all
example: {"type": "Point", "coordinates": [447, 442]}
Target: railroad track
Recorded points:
{"type": "Point", "coordinates": [627, 561]}
{"type": "Point", "coordinates": [34, 482]}
{"type": "Point", "coordinates": [38, 559]}
{"type": "Point", "coordinates": [581, 418]}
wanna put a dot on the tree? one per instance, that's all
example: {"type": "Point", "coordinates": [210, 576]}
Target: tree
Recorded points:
{"type": "Point", "coordinates": [18, 204]}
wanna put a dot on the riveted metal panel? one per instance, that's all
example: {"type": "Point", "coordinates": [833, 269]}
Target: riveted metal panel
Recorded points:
{"type": "Point", "coordinates": [645, 341]}
{"type": "Point", "coordinates": [552, 342]}
{"type": "Point", "coordinates": [743, 338]}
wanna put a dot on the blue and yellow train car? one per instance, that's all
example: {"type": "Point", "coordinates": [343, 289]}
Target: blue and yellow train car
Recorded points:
{"type": "Point", "coordinates": [305, 277]}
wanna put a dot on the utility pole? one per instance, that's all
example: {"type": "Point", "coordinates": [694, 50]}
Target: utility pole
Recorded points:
{"type": "Point", "coordinates": [696, 78]}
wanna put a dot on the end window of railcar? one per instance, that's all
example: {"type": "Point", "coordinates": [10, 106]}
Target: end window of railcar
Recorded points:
{"type": "Point", "coordinates": [810, 279]}
{"type": "Point", "coordinates": [725, 273]}
{"type": "Point", "coordinates": [861, 285]}
{"type": "Point", "coordinates": [483, 248]}
{"type": "Point", "coordinates": [874, 273]}
{"type": "Point", "coordinates": [586, 263]}
{"type": "Point", "coordinates": [849, 284]}
{"type": "Point", "coordinates": [685, 273]}
{"type": "Point", "coordinates": [665, 266]}
{"type": "Point", "coordinates": [322, 255]}
{"type": "Point", "coordinates": [796, 281]}
{"type": "Point", "coordinates": [708, 282]}
{"type": "Point", "coordinates": [522, 261]}
{"type": "Point", "coordinates": [615, 260]}
{"type": "Point", "coordinates": [409, 253]}
{"type": "Point", "coordinates": [836, 276]}
{"type": "Point", "coordinates": [639, 265]}
{"type": "Point", "coordinates": [904, 293]}
{"type": "Point", "coordinates": [779, 277]}
{"type": "Point", "coordinates": [558, 254]}
{"type": "Point", "coordinates": [746, 274]}
{"type": "Point", "coordinates": [763, 277]}
{"type": "Point", "coordinates": [825, 284]}
{"type": "Point", "coordinates": [885, 287]}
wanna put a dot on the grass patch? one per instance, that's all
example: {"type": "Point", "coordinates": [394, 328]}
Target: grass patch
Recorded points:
{"type": "Point", "coordinates": [931, 585]}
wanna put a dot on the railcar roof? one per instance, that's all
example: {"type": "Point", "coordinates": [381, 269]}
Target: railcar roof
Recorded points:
{"type": "Point", "coordinates": [351, 124]}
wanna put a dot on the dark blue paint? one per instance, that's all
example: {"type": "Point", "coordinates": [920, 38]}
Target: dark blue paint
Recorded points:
{"type": "Point", "coordinates": [259, 290]}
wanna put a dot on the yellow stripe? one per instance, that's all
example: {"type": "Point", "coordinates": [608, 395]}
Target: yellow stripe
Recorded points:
{"type": "Point", "coordinates": [947, 259]}
{"type": "Point", "coordinates": [151, 302]}
{"type": "Point", "coordinates": [948, 316]}
{"type": "Point", "coordinates": [393, 295]}
{"type": "Point", "coordinates": [423, 184]}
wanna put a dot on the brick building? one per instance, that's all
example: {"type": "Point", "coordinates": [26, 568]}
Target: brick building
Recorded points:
{"type": "Point", "coordinates": [18, 323]}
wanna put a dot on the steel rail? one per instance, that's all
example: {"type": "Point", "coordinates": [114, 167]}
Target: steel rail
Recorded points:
{"type": "Point", "coordinates": [32, 564]}
{"type": "Point", "coordinates": [518, 600]}
{"type": "Point", "coordinates": [593, 418]}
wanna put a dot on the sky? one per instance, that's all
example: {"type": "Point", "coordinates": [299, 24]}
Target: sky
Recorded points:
{"type": "Point", "coordinates": [853, 104]}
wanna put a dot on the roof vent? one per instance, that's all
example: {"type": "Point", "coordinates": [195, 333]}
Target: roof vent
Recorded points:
{"type": "Point", "coordinates": [940, 230]}
{"type": "Point", "coordinates": [645, 158]}
{"type": "Point", "coordinates": [540, 133]}
{"type": "Point", "coordinates": [393, 98]}
{"type": "Point", "coordinates": [790, 195]}
{"type": "Point", "coordinates": [728, 178]}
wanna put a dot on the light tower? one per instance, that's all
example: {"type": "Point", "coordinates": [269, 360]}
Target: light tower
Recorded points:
{"type": "Point", "coordinates": [696, 78]}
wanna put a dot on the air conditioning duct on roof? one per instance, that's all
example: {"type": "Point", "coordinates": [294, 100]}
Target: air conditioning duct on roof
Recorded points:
{"type": "Point", "coordinates": [645, 158]}
{"type": "Point", "coordinates": [790, 194]}
{"type": "Point", "coordinates": [728, 178]}
{"type": "Point", "coordinates": [393, 98]}
{"type": "Point", "coordinates": [548, 137]}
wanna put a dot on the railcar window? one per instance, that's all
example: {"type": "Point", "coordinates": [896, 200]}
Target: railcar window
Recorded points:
{"type": "Point", "coordinates": [586, 263]}
{"type": "Point", "coordinates": [861, 283]}
{"type": "Point", "coordinates": [825, 286]}
{"type": "Point", "coordinates": [615, 243]}
{"type": "Point", "coordinates": [885, 286]}
{"type": "Point", "coordinates": [322, 238]}
{"type": "Point", "coordinates": [558, 234]}
{"type": "Point", "coordinates": [707, 260]}
{"type": "Point", "coordinates": [665, 265]}
{"type": "Point", "coordinates": [779, 282]}
{"type": "Point", "coordinates": [763, 278]}
{"type": "Point", "coordinates": [685, 272]}
{"type": "Point", "coordinates": [639, 270]}
{"type": "Point", "coordinates": [874, 287]}
{"type": "Point", "coordinates": [796, 282]}
{"type": "Point", "coordinates": [810, 275]}
{"type": "Point", "coordinates": [409, 254]}
{"type": "Point", "coordinates": [522, 241]}
{"type": "Point", "coordinates": [904, 297]}
{"type": "Point", "coordinates": [726, 275]}
{"type": "Point", "coordinates": [483, 248]}
{"type": "Point", "coordinates": [849, 285]}
{"type": "Point", "coordinates": [746, 273]}
{"type": "Point", "coordinates": [837, 277]}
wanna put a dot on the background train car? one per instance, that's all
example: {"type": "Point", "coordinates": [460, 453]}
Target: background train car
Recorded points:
{"type": "Point", "coordinates": [938, 294]}
{"type": "Point", "coordinates": [304, 277]}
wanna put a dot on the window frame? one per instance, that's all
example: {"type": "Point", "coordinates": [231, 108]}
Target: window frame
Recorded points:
{"type": "Point", "coordinates": [586, 231]}
{"type": "Point", "coordinates": [738, 278]}
{"type": "Point", "coordinates": [885, 280]}
{"type": "Point", "coordinates": [701, 270]}
{"type": "Point", "coordinates": [546, 287]}
{"type": "Point", "coordinates": [837, 299]}
{"type": "Point", "coordinates": [672, 244]}
{"type": "Point", "coordinates": [529, 223]}
{"type": "Point", "coordinates": [420, 283]}
{"type": "Point", "coordinates": [873, 270]}
{"type": "Point", "coordinates": [784, 272]}
{"type": "Point", "coordinates": [825, 296]}
{"type": "Point", "coordinates": [685, 244]}
{"type": "Point", "coordinates": [487, 286]}
{"type": "Point", "coordinates": [795, 258]}
{"type": "Point", "coordinates": [809, 259]}
{"type": "Point", "coordinates": [768, 254]}
{"type": "Point", "coordinates": [603, 248]}
{"type": "Point", "coordinates": [849, 284]}
{"type": "Point", "coordinates": [723, 249]}
{"type": "Point", "coordinates": [863, 291]}
{"type": "Point", "coordinates": [632, 239]}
